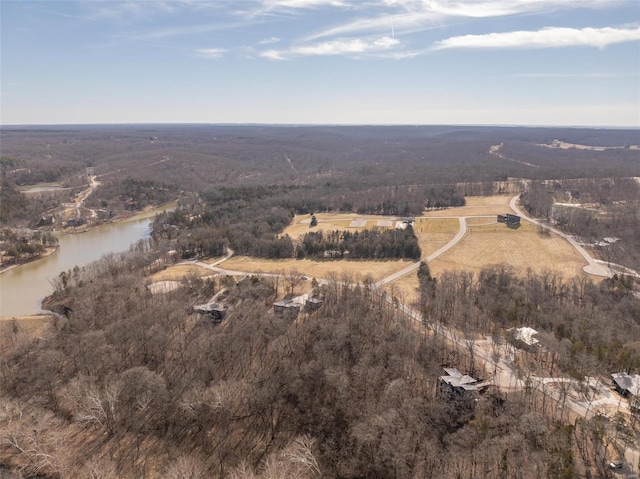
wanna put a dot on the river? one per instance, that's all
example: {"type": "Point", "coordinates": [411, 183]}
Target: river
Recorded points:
{"type": "Point", "coordinates": [22, 289]}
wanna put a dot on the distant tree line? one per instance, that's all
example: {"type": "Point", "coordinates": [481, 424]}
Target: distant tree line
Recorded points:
{"type": "Point", "coordinates": [441, 196]}
{"type": "Point", "coordinates": [131, 195]}
{"type": "Point", "coordinates": [376, 244]}
{"type": "Point", "coordinates": [250, 220]}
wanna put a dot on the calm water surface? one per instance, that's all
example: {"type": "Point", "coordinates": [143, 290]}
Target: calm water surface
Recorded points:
{"type": "Point", "coordinates": [22, 289]}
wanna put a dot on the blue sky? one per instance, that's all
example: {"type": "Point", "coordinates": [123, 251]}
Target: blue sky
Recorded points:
{"type": "Point", "coordinates": [520, 62]}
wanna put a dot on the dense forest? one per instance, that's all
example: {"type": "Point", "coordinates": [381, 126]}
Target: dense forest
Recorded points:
{"type": "Point", "coordinates": [128, 384]}
{"type": "Point", "coordinates": [144, 388]}
{"type": "Point", "coordinates": [360, 244]}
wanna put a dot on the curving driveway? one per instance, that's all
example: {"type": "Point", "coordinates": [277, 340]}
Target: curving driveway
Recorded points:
{"type": "Point", "coordinates": [593, 267]}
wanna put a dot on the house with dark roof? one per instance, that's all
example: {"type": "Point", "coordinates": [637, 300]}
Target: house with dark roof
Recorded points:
{"type": "Point", "coordinates": [629, 387]}
{"type": "Point", "coordinates": [287, 308]}
{"type": "Point", "coordinates": [626, 385]}
{"type": "Point", "coordinates": [454, 382]}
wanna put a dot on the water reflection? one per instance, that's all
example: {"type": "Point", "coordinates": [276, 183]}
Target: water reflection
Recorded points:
{"type": "Point", "coordinates": [22, 289]}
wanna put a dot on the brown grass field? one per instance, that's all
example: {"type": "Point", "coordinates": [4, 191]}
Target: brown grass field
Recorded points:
{"type": "Point", "coordinates": [486, 242]}
{"type": "Point", "coordinates": [317, 269]}
{"type": "Point", "coordinates": [179, 271]}
{"type": "Point", "coordinates": [521, 248]}
{"type": "Point", "coordinates": [476, 205]}
{"type": "Point", "coordinates": [330, 222]}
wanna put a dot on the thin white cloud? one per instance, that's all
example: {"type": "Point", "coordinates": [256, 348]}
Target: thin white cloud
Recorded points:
{"type": "Point", "coordinates": [546, 38]}
{"type": "Point", "coordinates": [268, 41]}
{"type": "Point", "coordinates": [128, 9]}
{"type": "Point", "coordinates": [402, 21]}
{"type": "Point", "coordinates": [211, 52]}
{"type": "Point", "coordinates": [273, 4]}
{"type": "Point", "coordinates": [353, 46]}
{"type": "Point", "coordinates": [418, 15]}
{"type": "Point", "coordinates": [273, 55]}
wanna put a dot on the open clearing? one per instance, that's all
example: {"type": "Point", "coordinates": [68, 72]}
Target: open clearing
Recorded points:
{"type": "Point", "coordinates": [496, 243]}
{"type": "Point", "coordinates": [179, 271]}
{"type": "Point", "coordinates": [332, 222]}
{"type": "Point", "coordinates": [476, 206]}
{"type": "Point", "coordinates": [433, 234]}
{"type": "Point", "coordinates": [317, 269]}
{"type": "Point", "coordinates": [521, 248]}
{"type": "Point", "coordinates": [486, 242]}
{"type": "Point", "coordinates": [566, 146]}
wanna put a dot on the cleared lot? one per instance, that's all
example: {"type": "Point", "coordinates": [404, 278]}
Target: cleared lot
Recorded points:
{"type": "Point", "coordinates": [318, 269]}
{"type": "Point", "coordinates": [521, 248]}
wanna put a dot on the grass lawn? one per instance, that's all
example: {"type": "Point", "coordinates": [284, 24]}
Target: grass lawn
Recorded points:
{"type": "Point", "coordinates": [521, 248]}
{"type": "Point", "coordinates": [318, 269]}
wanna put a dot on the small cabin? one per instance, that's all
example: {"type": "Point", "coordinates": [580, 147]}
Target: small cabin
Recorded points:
{"type": "Point", "coordinates": [626, 385]}
{"type": "Point", "coordinates": [456, 383]}
{"type": "Point", "coordinates": [213, 311]}
{"type": "Point", "coordinates": [287, 308]}
{"type": "Point", "coordinates": [509, 219]}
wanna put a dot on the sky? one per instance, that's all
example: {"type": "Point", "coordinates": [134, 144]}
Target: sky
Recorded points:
{"type": "Point", "coordinates": [498, 62]}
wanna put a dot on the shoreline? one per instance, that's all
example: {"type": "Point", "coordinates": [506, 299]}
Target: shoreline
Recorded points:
{"type": "Point", "coordinates": [149, 212]}
{"type": "Point", "coordinates": [47, 252]}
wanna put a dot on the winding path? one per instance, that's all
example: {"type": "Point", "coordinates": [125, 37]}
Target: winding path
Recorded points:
{"type": "Point", "coordinates": [593, 267]}
{"type": "Point", "coordinates": [506, 375]}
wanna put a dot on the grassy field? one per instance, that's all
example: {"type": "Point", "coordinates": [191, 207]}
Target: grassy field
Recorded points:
{"type": "Point", "coordinates": [433, 234]}
{"type": "Point", "coordinates": [179, 271]}
{"type": "Point", "coordinates": [476, 206]}
{"type": "Point", "coordinates": [330, 222]}
{"type": "Point", "coordinates": [486, 242]}
{"type": "Point", "coordinates": [522, 248]}
{"type": "Point", "coordinates": [317, 269]}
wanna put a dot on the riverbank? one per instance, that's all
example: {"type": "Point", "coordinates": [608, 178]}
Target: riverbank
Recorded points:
{"type": "Point", "coordinates": [24, 288]}
{"type": "Point", "coordinates": [44, 254]}
{"type": "Point", "coordinates": [147, 212]}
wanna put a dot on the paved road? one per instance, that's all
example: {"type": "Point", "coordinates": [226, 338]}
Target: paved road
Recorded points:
{"type": "Point", "coordinates": [592, 268]}
{"type": "Point", "coordinates": [506, 376]}
{"type": "Point", "coordinates": [456, 239]}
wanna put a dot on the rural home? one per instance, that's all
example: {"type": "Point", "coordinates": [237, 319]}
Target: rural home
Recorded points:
{"type": "Point", "coordinates": [215, 311]}
{"type": "Point", "coordinates": [509, 219]}
{"type": "Point", "coordinates": [287, 308]}
{"type": "Point", "coordinates": [629, 387]}
{"type": "Point", "coordinates": [457, 383]}
{"type": "Point", "coordinates": [524, 335]}
{"type": "Point", "coordinates": [626, 385]}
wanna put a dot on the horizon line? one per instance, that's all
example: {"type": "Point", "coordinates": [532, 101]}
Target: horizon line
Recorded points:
{"type": "Point", "coordinates": [414, 125]}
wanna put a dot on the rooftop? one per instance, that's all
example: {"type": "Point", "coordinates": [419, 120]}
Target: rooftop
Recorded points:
{"type": "Point", "coordinates": [631, 384]}
{"type": "Point", "coordinates": [456, 379]}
